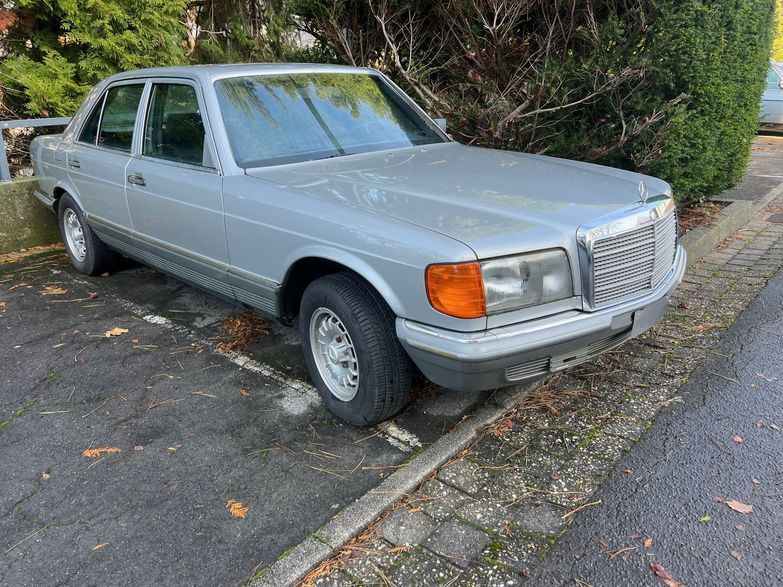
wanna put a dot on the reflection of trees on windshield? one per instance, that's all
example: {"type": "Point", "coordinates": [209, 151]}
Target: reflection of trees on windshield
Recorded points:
{"type": "Point", "coordinates": [345, 91]}
{"type": "Point", "coordinates": [286, 118]}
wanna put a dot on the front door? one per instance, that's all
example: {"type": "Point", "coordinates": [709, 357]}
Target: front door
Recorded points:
{"type": "Point", "coordinates": [174, 190]}
{"type": "Point", "coordinates": [98, 158]}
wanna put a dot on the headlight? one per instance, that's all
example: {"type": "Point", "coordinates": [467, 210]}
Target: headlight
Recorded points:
{"type": "Point", "coordinates": [472, 290]}
{"type": "Point", "coordinates": [526, 280]}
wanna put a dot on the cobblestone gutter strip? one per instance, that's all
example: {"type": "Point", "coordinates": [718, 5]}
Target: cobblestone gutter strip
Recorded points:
{"type": "Point", "coordinates": [492, 512]}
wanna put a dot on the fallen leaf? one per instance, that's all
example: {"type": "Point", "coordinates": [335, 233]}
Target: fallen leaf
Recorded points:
{"type": "Point", "coordinates": [705, 519]}
{"type": "Point", "coordinates": [630, 472]}
{"type": "Point", "coordinates": [93, 294]}
{"type": "Point", "coordinates": [244, 391]}
{"type": "Point", "coordinates": [740, 527]}
{"type": "Point", "coordinates": [237, 508]}
{"type": "Point", "coordinates": [766, 377]}
{"type": "Point", "coordinates": [756, 482]}
{"type": "Point", "coordinates": [135, 341]}
{"type": "Point", "coordinates": [175, 448]}
{"type": "Point", "coordinates": [2, 304]}
{"type": "Point", "coordinates": [99, 546]}
{"type": "Point", "coordinates": [760, 424]}
{"type": "Point", "coordinates": [736, 554]}
{"type": "Point", "coordinates": [738, 439]}
{"type": "Point", "coordinates": [138, 448]}
{"type": "Point", "coordinates": [603, 543]}
{"type": "Point", "coordinates": [115, 332]}
{"type": "Point", "coordinates": [737, 506]}
{"type": "Point", "coordinates": [664, 575]}
{"type": "Point", "coordinates": [648, 542]}
{"type": "Point", "coordinates": [774, 426]}
{"type": "Point", "coordinates": [399, 549]}
{"type": "Point", "coordinates": [53, 290]}
{"type": "Point", "coordinates": [92, 453]}
{"type": "Point", "coordinates": [46, 475]}
{"type": "Point", "coordinates": [105, 274]}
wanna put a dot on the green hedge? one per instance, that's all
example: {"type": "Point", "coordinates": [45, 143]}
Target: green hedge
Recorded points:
{"type": "Point", "coordinates": [716, 54]}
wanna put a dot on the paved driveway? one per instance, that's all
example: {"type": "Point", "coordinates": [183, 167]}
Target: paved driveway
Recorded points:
{"type": "Point", "coordinates": [188, 430]}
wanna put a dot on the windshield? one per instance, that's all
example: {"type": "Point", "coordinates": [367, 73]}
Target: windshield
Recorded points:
{"type": "Point", "coordinates": [275, 119]}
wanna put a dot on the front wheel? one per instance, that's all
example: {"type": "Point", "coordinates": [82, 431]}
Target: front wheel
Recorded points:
{"type": "Point", "coordinates": [88, 254]}
{"type": "Point", "coordinates": [352, 353]}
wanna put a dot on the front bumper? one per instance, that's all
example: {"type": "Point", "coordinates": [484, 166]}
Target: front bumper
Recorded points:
{"type": "Point", "coordinates": [472, 361]}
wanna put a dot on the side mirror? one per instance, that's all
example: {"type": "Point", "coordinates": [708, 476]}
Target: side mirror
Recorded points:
{"type": "Point", "coordinates": [441, 122]}
{"type": "Point", "coordinates": [780, 84]}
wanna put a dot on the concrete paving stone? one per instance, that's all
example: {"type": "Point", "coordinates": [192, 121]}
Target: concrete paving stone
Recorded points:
{"type": "Point", "coordinates": [607, 446]}
{"type": "Point", "coordinates": [422, 567]}
{"type": "Point", "coordinates": [577, 479]}
{"type": "Point", "coordinates": [403, 527]}
{"type": "Point", "coordinates": [362, 567]}
{"type": "Point", "coordinates": [458, 542]}
{"type": "Point", "coordinates": [489, 515]}
{"type": "Point", "coordinates": [439, 500]}
{"type": "Point", "coordinates": [462, 474]}
{"type": "Point", "coordinates": [640, 408]}
{"type": "Point", "coordinates": [335, 579]}
{"type": "Point", "coordinates": [499, 450]}
{"type": "Point", "coordinates": [625, 426]}
{"type": "Point", "coordinates": [538, 517]}
{"type": "Point", "coordinates": [560, 440]}
{"type": "Point", "coordinates": [489, 575]}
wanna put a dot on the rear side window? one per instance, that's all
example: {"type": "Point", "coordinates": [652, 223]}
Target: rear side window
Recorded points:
{"type": "Point", "coordinates": [174, 129]}
{"type": "Point", "coordinates": [119, 117]}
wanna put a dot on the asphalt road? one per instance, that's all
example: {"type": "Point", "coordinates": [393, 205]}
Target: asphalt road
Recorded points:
{"type": "Point", "coordinates": [665, 502]}
{"type": "Point", "coordinates": [193, 429]}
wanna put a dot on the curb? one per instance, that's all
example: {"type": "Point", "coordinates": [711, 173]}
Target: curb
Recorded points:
{"type": "Point", "coordinates": [292, 567]}
{"type": "Point", "coordinates": [330, 538]}
{"type": "Point", "coordinates": [701, 240]}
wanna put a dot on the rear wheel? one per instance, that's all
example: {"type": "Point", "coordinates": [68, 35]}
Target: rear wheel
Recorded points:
{"type": "Point", "coordinates": [352, 353]}
{"type": "Point", "coordinates": [88, 254]}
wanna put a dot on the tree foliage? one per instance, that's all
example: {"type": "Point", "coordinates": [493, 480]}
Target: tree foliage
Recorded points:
{"type": "Point", "coordinates": [72, 44]}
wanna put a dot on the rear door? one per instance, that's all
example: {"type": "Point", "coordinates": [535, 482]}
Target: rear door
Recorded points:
{"type": "Point", "coordinates": [174, 188]}
{"type": "Point", "coordinates": [97, 160]}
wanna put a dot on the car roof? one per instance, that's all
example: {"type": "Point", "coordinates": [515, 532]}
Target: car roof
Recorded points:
{"type": "Point", "coordinates": [211, 72]}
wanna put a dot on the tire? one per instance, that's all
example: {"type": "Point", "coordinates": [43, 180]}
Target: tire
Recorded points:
{"type": "Point", "coordinates": [383, 381]}
{"type": "Point", "coordinates": [88, 254]}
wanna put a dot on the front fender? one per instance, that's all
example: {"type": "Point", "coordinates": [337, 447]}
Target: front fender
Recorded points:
{"type": "Point", "coordinates": [355, 264]}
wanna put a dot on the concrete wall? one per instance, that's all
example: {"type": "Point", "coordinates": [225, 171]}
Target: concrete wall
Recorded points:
{"type": "Point", "coordinates": [24, 221]}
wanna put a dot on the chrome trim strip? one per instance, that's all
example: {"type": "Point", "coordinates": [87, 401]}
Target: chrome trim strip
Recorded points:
{"type": "Point", "coordinates": [241, 294]}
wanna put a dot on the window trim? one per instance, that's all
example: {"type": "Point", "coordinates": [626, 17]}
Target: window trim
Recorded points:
{"type": "Point", "coordinates": [142, 124]}
{"type": "Point", "coordinates": [102, 103]}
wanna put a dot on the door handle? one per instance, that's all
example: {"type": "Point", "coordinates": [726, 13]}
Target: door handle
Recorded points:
{"type": "Point", "coordinates": [73, 162]}
{"type": "Point", "coordinates": [136, 179]}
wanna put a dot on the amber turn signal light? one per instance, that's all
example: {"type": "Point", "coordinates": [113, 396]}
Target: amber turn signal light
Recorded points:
{"type": "Point", "coordinates": [456, 289]}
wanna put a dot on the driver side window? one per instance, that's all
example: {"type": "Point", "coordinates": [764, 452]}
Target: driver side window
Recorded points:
{"type": "Point", "coordinates": [173, 129]}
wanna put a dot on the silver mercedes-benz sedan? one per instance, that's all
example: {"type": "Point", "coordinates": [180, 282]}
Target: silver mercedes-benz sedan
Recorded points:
{"type": "Point", "coordinates": [324, 197]}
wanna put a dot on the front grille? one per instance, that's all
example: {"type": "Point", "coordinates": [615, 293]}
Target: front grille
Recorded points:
{"type": "Point", "coordinates": [633, 262]}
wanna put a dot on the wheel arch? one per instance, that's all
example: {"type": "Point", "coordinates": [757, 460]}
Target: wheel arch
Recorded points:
{"type": "Point", "coordinates": [317, 262]}
{"type": "Point", "coordinates": [62, 188]}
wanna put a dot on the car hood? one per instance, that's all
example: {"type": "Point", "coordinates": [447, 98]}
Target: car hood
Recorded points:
{"type": "Point", "coordinates": [496, 202]}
